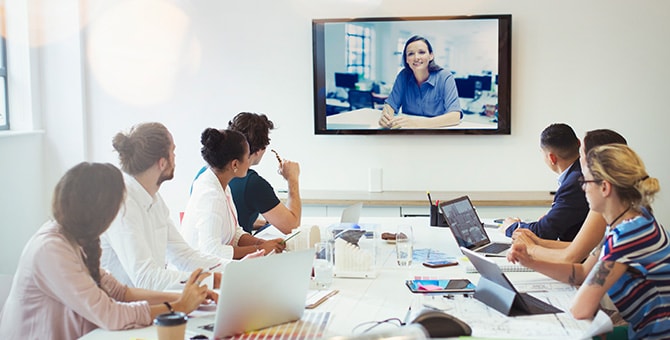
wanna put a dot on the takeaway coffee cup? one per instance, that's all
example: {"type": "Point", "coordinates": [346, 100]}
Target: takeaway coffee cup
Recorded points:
{"type": "Point", "coordinates": [171, 326]}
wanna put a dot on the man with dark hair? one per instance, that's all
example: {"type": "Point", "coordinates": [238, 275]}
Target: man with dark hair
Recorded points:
{"type": "Point", "coordinates": [597, 137]}
{"type": "Point", "coordinates": [252, 194]}
{"type": "Point", "coordinates": [143, 242]}
{"type": "Point", "coordinates": [560, 147]}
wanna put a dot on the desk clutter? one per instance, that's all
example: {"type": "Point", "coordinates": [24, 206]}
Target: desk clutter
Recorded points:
{"type": "Point", "coordinates": [381, 303]}
{"type": "Point", "coordinates": [355, 249]}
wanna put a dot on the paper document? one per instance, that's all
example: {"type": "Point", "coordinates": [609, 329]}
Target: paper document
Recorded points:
{"type": "Point", "coordinates": [486, 322]}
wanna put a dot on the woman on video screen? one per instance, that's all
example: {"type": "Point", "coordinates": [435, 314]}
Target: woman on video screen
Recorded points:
{"type": "Point", "coordinates": [425, 91]}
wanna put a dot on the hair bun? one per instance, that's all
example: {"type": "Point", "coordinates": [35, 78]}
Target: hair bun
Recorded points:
{"type": "Point", "coordinates": [210, 137]}
{"type": "Point", "coordinates": [122, 143]}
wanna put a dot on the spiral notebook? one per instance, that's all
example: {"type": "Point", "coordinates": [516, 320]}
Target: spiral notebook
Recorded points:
{"type": "Point", "coordinates": [504, 265]}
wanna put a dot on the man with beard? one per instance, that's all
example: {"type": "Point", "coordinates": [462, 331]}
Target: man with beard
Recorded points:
{"type": "Point", "coordinates": [142, 248]}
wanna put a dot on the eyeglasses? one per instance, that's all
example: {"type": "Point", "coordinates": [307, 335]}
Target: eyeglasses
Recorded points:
{"type": "Point", "coordinates": [583, 182]}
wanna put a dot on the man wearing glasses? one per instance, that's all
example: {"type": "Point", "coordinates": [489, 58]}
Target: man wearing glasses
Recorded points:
{"type": "Point", "coordinates": [560, 147]}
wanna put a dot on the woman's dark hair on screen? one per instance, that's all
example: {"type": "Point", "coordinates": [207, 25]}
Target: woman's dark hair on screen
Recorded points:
{"type": "Point", "coordinates": [432, 66]}
{"type": "Point", "coordinates": [85, 202]}
{"type": "Point", "coordinates": [220, 147]}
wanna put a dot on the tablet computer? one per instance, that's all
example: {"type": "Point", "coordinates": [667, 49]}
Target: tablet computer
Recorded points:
{"type": "Point", "coordinates": [440, 286]}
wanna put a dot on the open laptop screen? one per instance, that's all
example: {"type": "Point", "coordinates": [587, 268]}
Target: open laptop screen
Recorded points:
{"type": "Point", "coordinates": [463, 221]}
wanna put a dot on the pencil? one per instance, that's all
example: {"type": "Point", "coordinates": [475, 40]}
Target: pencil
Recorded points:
{"type": "Point", "coordinates": [204, 271]}
{"type": "Point", "coordinates": [290, 236]}
{"type": "Point", "coordinates": [322, 300]}
{"type": "Point", "coordinates": [276, 155]}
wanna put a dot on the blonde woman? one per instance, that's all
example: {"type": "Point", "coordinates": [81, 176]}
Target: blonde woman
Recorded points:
{"type": "Point", "coordinates": [633, 264]}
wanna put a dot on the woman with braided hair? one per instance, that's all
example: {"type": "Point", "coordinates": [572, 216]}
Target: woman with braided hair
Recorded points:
{"type": "Point", "coordinates": [59, 290]}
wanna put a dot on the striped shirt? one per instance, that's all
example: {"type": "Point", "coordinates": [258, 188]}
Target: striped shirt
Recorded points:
{"type": "Point", "coordinates": [642, 294]}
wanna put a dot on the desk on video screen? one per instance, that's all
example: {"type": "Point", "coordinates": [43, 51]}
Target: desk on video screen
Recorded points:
{"type": "Point", "coordinates": [367, 118]}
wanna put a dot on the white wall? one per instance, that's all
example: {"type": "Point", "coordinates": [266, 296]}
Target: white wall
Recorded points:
{"type": "Point", "coordinates": [191, 65]}
{"type": "Point", "coordinates": [22, 201]}
{"type": "Point", "coordinates": [590, 64]}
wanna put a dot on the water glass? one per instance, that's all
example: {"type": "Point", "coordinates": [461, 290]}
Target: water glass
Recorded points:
{"type": "Point", "coordinates": [323, 264]}
{"type": "Point", "coordinates": [404, 245]}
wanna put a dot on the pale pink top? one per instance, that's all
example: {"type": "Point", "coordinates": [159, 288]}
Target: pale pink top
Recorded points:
{"type": "Point", "coordinates": [53, 296]}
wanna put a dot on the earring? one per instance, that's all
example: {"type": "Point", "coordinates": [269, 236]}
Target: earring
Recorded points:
{"type": "Point", "coordinates": [235, 170]}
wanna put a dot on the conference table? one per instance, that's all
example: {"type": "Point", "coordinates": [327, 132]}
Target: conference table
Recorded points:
{"type": "Point", "coordinates": [361, 302]}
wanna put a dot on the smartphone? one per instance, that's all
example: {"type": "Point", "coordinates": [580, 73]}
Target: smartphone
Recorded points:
{"type": "Point", "coordinates": [440, 286]}
{"type": "Point", "coordinates": [440, 263]}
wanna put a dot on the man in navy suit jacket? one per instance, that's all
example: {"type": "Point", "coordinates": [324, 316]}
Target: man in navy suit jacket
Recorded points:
{"type": "Point", "coordinates": [560, 146]}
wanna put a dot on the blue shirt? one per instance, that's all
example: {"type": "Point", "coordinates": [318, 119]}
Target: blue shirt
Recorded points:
{"type": "Point", "coordinates": [436, 96]}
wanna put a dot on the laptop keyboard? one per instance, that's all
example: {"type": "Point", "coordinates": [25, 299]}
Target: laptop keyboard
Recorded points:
{"type": "Point", "coordinates": [494, 248]}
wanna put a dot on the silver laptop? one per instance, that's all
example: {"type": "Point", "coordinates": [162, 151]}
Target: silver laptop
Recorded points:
{"type": "Point", "coordinates": [467, 228]}
{"type": "Point", "coordinates": [352, 213]}
{"type": "Point", "coordinates": [258, 293]}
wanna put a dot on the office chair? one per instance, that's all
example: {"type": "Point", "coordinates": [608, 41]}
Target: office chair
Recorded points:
{"type": "Point", "coordinates": [360, 99]}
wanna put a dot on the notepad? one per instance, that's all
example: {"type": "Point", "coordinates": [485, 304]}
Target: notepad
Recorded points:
{"type": "Point", "coordinates": [504, 265]}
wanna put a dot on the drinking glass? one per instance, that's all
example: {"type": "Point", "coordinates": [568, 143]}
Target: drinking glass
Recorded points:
{"type": "Point", "coordinates": [323, 264]}
{"type": "Point", "coordinates": [404, 245]}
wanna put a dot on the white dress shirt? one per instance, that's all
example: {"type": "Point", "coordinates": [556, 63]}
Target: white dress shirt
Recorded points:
{"type": "Point", "coordinates": [210, 220]}
{"type": "Point", "coordinates": [142, 241]}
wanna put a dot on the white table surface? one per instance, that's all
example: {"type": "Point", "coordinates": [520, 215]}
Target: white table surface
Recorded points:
{"type": "Point", "coordinates": [386, 296]}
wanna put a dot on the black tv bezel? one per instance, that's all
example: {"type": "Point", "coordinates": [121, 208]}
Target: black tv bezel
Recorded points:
{"type": "Point", "coordinates": [504, 78]}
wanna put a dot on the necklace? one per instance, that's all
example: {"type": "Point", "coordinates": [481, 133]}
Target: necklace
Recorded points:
{"type": "Point", "coordinates": [618, 217]}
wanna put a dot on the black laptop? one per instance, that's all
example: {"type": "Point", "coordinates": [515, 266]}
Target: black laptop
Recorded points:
{"type": "Point", "coordinates": [495, 290]}
{"type": "Point", "coordinates": [467, 228]}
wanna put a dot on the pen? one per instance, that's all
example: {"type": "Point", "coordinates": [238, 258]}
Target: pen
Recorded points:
{"type": "Point", "coordinates": [204, 271]}
{"type": "Point", "coordinates": [276, 155]}
{"type": "Point", "coordinates": [290, 237]}
{"type": "Point", "coordinates": [409, 311]}
{"type": "Point", "coordinates": [429, 199]}
{"type": "Point", "coordinates": [321, 300]}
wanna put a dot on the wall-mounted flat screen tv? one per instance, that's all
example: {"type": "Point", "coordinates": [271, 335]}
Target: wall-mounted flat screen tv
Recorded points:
{"type": "Point", "coordinates": [412, 75]}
